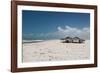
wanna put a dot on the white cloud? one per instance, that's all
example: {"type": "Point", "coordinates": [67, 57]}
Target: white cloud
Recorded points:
{"type": "Point", "coordinates": [72, 31]}
{"type": "Point", "coordinates": [64, 32]}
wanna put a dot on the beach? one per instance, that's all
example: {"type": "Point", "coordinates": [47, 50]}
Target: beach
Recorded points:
{"type": "Point", "coordinates": [55, 50]}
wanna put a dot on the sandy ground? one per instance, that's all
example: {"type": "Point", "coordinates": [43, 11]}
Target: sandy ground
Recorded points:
{"type": "Point", "coordinates": [55, 50]}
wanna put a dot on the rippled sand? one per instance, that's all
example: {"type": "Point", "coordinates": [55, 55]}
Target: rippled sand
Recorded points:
{"type": "Point", "coordinates": [55, 50]}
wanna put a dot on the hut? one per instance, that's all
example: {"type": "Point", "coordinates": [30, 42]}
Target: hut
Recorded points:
{"type": "Point", "coordinates": [67, 40]}
{"type": "Point", "coordinates": [77, 40]}
{"type": "Point", "coordinates": [72, 40]}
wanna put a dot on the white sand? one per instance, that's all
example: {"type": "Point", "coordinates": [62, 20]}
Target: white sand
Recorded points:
{"type": "Point", "coordinates": [55, 50]}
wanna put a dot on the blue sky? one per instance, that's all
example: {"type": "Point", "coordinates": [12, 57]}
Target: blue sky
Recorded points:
{"type": "Point", "coordinates": [46, 22]}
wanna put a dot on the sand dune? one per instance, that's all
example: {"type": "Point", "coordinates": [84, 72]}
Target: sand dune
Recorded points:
{"type": "Point", "coordinates": [55, 50]}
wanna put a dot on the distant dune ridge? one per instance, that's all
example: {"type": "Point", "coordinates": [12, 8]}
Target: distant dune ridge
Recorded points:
{"type": "Point", "coordinates": [55, 50]}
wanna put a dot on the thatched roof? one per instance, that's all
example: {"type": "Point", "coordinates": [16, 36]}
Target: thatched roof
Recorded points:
{"type": "Point", "coordinates": [76, 38]}
{"type": "Point", "coordinates": [72, 40]}
{"type": "Point", "coordinates": [68, 37]}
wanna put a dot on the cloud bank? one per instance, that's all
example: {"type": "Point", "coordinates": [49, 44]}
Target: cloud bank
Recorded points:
{"type": "Point", "coordinates": [83, 33]}
{"type": "Point", "coordinates": [72, 32]}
